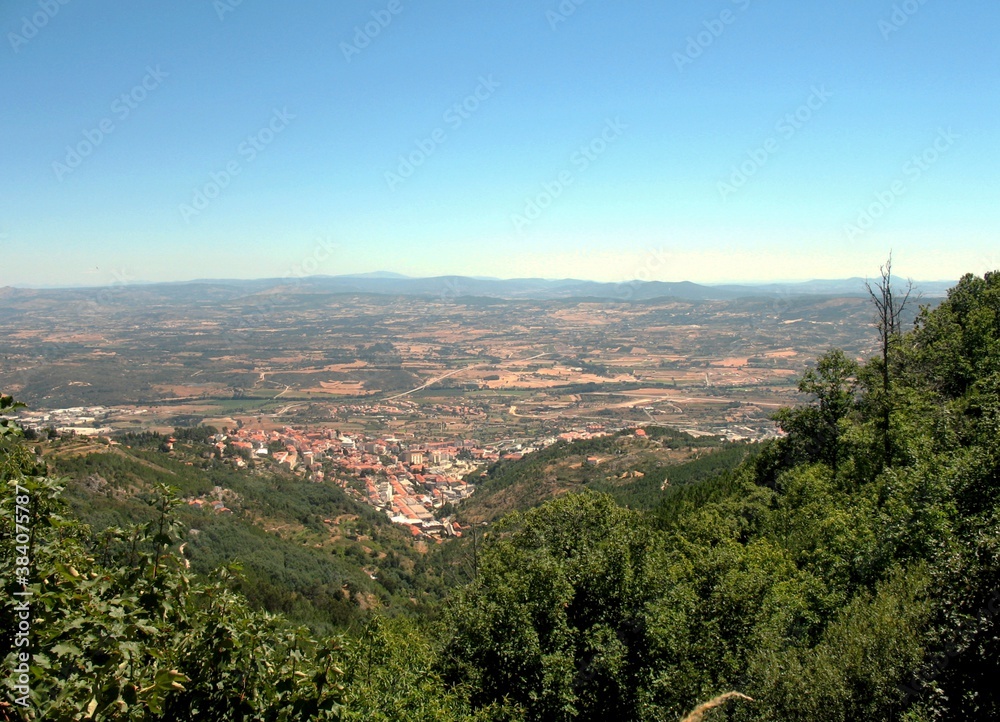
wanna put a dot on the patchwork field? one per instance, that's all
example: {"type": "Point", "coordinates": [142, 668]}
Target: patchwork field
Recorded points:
{"type": "Point", "coordinates": [368, 361]}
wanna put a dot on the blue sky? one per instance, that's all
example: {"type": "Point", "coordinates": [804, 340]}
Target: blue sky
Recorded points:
{"type": "Point", "coordinates": [709, 141]}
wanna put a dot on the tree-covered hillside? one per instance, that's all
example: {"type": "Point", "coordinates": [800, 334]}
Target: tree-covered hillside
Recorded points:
{"type": "Point", "coordinates": [634, 469]}
{"type": "Point", "coordinates": [847, 571]}
{"type": "Point", "coordinates": [116, 626]}
{"type": "Point", "coordinates": [307, 550]}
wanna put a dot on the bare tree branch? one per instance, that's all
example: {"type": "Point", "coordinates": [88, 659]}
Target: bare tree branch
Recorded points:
{"type": "Point", "coordinates": [888, 320]}
{"type": "Point", "coordinates": [698, 714]}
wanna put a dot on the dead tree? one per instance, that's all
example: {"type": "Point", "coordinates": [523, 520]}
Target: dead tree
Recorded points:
{"type": "Point", "coordinates": [889, 307]}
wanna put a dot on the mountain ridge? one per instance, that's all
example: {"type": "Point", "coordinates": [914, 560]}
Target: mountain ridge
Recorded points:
{"type": "Point", "coordinates": [449, 287]}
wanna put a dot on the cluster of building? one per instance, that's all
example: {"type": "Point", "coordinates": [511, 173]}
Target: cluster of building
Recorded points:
{"type": "Point", "coordinates": [403, 408]}
{"type": "Point", "coordinates": [79, 420]}
{"type": "Point", "coordinates": [458, 410]}
{"type": "Point", "coordinates": [592, 431]}
{"type": "Point", "coordinates": [406, 479]}
{"type": "Point", "coordinates": [375, 410]}
{"type": "Point", "coordinates": [215, 501]}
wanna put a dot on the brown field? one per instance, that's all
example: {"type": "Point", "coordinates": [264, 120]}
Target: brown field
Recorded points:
{"type": "Point", "coordinates": [183, 391]}
{"type": "Point", "coordinates": [691, 360]}
{"type": "Point", "coordinates": [341, 388]}
{"type": "Point", "coordinates": [783, 353]}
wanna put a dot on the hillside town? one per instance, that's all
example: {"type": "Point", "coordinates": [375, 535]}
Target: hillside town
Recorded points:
{"type": "Point", "coordinates": [414, 483]}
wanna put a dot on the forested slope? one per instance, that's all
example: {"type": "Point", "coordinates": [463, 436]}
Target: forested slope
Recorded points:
{"type": "Point", "coordinates": [307, 550]}
{"type": "Point", "coordinates": [634, 469]}
{"type": "Point", "coordinates": [850, 571]}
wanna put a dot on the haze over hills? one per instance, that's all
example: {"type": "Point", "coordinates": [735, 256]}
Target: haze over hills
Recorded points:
{"type": "Point", "coordinates": [445, 287]}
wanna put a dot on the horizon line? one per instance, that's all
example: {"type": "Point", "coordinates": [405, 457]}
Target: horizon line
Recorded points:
{"type": "Point", "coordinates": [393, 276]}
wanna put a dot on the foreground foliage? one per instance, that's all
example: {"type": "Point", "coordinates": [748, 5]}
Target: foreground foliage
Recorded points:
{"type": "Point", "coordinates": [121, 630]}
{"type": "Point", "coordinates": [849, 571]}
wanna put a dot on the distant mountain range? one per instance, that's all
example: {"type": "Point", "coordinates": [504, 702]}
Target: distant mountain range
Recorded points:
{"type": "Point", "coordinates": [451, 287]}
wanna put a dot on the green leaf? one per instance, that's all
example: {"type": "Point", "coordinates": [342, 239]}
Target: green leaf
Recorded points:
{"type": "Point", "coordinates": [66, 650]}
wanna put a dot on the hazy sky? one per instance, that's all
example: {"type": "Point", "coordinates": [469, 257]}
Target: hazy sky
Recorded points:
{"type": "Point", "coordinates": [704, 141]}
